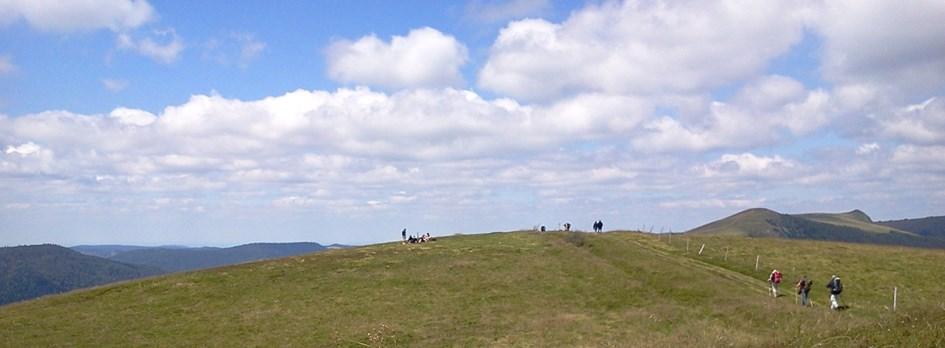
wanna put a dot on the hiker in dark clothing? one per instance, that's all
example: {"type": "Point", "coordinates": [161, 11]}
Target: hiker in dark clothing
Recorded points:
{"type": "Point", "coordinates": [403, 234]}
{"type": "Point", "coordinates": [836, 287]}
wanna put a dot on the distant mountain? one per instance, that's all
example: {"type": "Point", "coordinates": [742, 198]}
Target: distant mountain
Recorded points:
{"type": "Point", "coordinates": [177, 260]}
{"type": "Point", "coordinates": [106, 251]}
{"type": "Point", "coordinates": [933, 226]}
{"type": "Point", "coordinates": [854, 226]}
{"type": "Point", "coordinates": [31, 271]}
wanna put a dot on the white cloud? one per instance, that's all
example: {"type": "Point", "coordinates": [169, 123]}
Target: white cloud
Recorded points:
{"type": "Point", "coordinates": [134, 117]}
{"type": "Point", "coordinates": [424, 58]}
{"type": "Point", "coordinates": [23, 150]}
{"type": "Point", "coordinates": [78, 15]}
{"type": "Point", "coordinates": [922, 123]}
{"type": "Point", "coordinates": [640, 47]}
{"type": "Point", "coordinates": [6, 65]}
{"type": "Point", "coordinates": [498, 11]}
{"type": "Point", "coordinates": [114, 85]}
{"type": "Point", "coordinates": [713, 203]}
{"type": "Point", "coordinates": [886, 43]}
{"type": "Point", "coordinates": [749, 165]}
{"type": "Point", "coordinates": [920, 157]}
{"type": "Point", "coordinates": [163, 46]}
{"type": "Point", "coordinates": [758, 114]}
{"type": "Point", "coordinates": [866, 149]}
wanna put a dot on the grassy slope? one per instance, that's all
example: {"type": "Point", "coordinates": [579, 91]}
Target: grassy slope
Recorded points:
{"type": "Point", "coordinates": [502, 289]}
{"type": "Point", "coordinates": [855, 219]}
{"type": "Point", "coordinates": [756, 222]}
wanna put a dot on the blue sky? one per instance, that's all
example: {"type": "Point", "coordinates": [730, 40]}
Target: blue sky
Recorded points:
{"type": "Point", "coordinates": [168, 122]}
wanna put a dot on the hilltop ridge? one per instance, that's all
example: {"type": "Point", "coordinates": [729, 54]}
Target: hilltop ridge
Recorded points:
{"type": "Point", "coordinates": [852, 226]}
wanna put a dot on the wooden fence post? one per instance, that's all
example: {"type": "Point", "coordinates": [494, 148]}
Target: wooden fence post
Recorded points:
{"type": "Point", "coordinates": [726, 254]}
{"type": "Point", "coordinates": [701, 248]}
{"type": "Point", "coordinates": [895, 295]}
{"type": "Point", "coordinates": [757, 258]}
{"type": "Point", "coordinates": [687, 246]}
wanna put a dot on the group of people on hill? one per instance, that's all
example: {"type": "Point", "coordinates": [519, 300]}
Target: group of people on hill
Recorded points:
{"type": "Point", "coordinates": [598, 227]}
{"type": "Point", "coordinates": [423, 238]}
{"type": "Point", "coordinates": [803, 287]}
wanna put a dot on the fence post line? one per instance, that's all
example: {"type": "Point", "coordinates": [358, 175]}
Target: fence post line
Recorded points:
{"type": "Point", "coordinates": [757, 258]}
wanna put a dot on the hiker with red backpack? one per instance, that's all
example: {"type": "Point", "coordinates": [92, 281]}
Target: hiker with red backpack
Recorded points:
{"type": "Point", "coordinates": [775, 280]}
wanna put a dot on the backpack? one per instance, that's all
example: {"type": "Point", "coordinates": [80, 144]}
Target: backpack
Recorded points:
{"type": "Point", "coordinates": [835, 286]}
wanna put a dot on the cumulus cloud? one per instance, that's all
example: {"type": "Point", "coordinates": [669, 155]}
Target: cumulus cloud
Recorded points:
{"type": "Point", "coordinates": [771, 105]}
{"type": "Point", "coordinates": [78, 15]}
{"type": "Point", "coordinates": [900, 48]}
{"type": "Point", "coordinates": [424, 58]}
{"type": "Point", "coordinates": [922, 123]}
{"type": "Point", "coordinates": [639, 47]}
{"type": "Point", "coordinates": [749, 165]}
{"type": "Point", "coordinates": [162, 46]}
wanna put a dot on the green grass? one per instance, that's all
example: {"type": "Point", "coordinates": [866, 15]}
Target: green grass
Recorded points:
{"type": "Point", "coordinates": [507, 289]}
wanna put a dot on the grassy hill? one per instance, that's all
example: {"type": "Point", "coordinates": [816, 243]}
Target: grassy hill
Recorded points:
{"type": "Point", "coordinates": [185, 259]}
{"type": "Point", "coordinates": [36, 270]}
{"type": "Point", "coordinates": [509, 289]}
{"type": "Point", "coordinates": [854, 226]}
{"type": "Point", "coordinates": [932, 226]}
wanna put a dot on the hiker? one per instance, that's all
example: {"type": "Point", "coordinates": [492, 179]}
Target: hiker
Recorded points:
{"type": "Point", "coordinates": [774, 279]}
{"type": "Point", "coordinates": [803, 289]}
{"type": "Point", "coordinates": [543, 228]}
{"type": "Point", "coordinates": [836, 287]}
{"type": "Point", "coordinates": [403, 234]}
{"type": "Point", "coordinates": [567, 226]}
{"type": "Point", "coordinates": [595, 226]}
{"type": "Point", "coordinates": [600, 226]}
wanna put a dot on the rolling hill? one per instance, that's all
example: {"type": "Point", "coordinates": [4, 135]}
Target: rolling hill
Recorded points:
{"type": "Point", "coordinates": [933, 226]}
{"type": "Point", "coordinates": [109, 250]}
{"type": "Point", "coordinates": [854, 226]}
{"type": "Point", "coordinates": [510, 289]}
{"type": "Point", "coordinates": [186, 259]}
{"type": "Point", "coordinates": [31, 271]}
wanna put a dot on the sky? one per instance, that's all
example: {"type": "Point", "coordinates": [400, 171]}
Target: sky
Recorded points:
{"type": "Point", "coordinates": [221, 123]}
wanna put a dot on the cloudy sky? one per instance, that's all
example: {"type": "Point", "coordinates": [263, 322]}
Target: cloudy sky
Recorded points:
{"type": "Point", "coordinates": [220, 122]}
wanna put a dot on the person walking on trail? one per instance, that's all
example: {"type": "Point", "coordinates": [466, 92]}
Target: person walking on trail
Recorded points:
{"type": "Point", "coordinates": [403, 234]}
{"type": "Point", "coordinates": [803, 290]}
{"type": "Point", "coordinates": [775, 280]}
{"type": "Point", "coordinates": [836, 287]}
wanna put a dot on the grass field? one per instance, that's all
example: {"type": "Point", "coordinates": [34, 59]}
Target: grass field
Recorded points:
{"type": "Point", "coordinates": [510, 289]}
